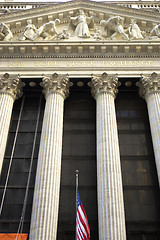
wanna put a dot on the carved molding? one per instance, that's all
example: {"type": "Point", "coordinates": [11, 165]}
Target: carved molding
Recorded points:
{"type": "Point", "coordinates": [103, 49]}
{"type": "Point", "coordinates": [56, 83]}
{"type": "Point", "coordinates": [11, 85]}
{"type": "Point", "coordinates": [149, 84]}
{"type": "Point", "coordinates": [104, 84]}
{"type": "Point", "coordinates": [82, 4]}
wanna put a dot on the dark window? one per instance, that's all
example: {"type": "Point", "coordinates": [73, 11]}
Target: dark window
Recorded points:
{"type": "Point", "coordinates": [140, 182]}
{"type": "Point", "coordinates": [16, 188]}
{"type": "Point", "coordinates": [79, 152]}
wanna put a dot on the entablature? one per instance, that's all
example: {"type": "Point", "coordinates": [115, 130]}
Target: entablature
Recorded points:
{"type": "Point", "coordinates": [79, 67]}
{"type": "Point", "coordinates": [102, 49]}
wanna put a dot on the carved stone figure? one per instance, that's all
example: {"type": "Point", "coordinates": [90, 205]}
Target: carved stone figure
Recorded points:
{"type": "Point", "coordinates": [81, 24]}
{"type": "Point", "coordinates": [29, 31]}
{"type": "Point", "coordinates": [155, 32]}
{"type": "Point", "coordinates": [5, 32]}
{"type": "Point", "coordinates": [134, 30]}
{"type": "Point", "coordinates": [64, 34]}
{"type": "Point", "coordinates": [105, 31]}
{"type": "Point", "coordinates": [97, 35]}
{"type": "Point", "coordinates": [115, 23]}
{"type": "Point", "coordinates": [47, 29]}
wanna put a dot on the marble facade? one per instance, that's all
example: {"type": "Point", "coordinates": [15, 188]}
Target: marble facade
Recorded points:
{"type": "Point", "coordinates": [84, 39]}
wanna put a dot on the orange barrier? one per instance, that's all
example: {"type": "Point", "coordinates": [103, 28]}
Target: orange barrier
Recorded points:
{"type": "Point", "coordinates": [13, 236]}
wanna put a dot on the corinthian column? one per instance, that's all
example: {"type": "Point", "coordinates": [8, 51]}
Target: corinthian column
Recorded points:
{"type": "Point", "coordinates": [10, 89]}
{"type": "Point", "coordinates": [109, 181]}
{"type": "Point", "coordinates": [149, 89]}
{"type": "Point", "coordinates": [47, 184]}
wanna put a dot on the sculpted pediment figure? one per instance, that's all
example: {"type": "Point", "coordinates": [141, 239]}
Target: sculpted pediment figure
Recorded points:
{"type": "Point", "coordinates": [29, 31]}
{"type": "Point", "coordinates": [134, 31]}
{"type": "Point", "coordinates": [115, 24]}
{"type": "Point", "coordinates": [155, 32]}
{"type": "Point", "coordinates": [5, 32]}
{"type": "Point", "coordinates": [81, 24]}
{"type": "Point", "coordinates": [47, 30]}
{"type": "Point", "coordinates": [80, 20]}
{"type": "Point", "coordinates": [64, 35]}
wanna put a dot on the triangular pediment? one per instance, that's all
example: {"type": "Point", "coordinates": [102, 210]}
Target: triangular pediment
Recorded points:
{"type": "Point", "coordinates": [102, 26]}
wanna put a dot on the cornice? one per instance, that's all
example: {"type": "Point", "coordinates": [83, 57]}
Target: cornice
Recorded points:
{"type": "Point", "coordinates": [91, 6]}
{"type": "Point", "coordinates": [102, 49]}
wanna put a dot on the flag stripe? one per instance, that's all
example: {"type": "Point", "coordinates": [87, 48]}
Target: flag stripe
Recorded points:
{"type": "Point", "coordinates": [80, 234]}
{"type": "Point", "coordinates": [82, 226]}
{"type": "Point", "coordinates": [81, 229]}
{"type": "Point", "coordinates": [84, 216]}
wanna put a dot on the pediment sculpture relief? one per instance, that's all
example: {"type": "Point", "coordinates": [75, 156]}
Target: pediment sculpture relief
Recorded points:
{"type": "Point", "coordinates": [64, 35]}
{"type": "Point", "coordinates": [98, 35]}
{"type": "Point", "coordinates": [134, 31]}
{"type": "Point", "coordinates": [82, 26]}
{"type": "Point", "coordinates": [47, 31]}
{"type": "Point", "coordinates": [155, 32]}
{"type": "Point", "coordinates": [115, 30]}
{"type": "Point", "coordinates": [114, 25]}
{"type": "Point", "coordinates": [5, 32]}
{"type": "Point", "coordinates": [29, 31]}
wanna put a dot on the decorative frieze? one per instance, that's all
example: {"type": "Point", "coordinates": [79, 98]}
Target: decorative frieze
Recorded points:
{"type": "Point", "coordinates": [69, 7]}
{"type": "Point", "coordinates": [11, 85]}
{"type": "Point", "coordinates": [81, 23]}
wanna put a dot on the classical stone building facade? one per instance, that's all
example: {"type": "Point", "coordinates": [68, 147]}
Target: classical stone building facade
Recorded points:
{"type": "Point", "coordinates": [80, 89]}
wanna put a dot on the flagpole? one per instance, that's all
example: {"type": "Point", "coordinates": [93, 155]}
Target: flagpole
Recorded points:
{"type": "Point", "coordinates": [77, 174]}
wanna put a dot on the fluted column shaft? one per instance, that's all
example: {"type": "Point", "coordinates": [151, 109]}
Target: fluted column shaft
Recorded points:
{"type": "Point", "coordinates": [149, 89]}
{"type": "Point", "coordinates": [47, 184]}
{"type": "Point", "coordinates": [109, 181]}
{"type": "Point", "coordinates": [10, 89]}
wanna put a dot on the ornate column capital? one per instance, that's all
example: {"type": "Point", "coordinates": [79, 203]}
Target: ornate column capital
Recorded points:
{"type": "Point", "coordinates": [56, 84]}
{"type": "Point", "coordinates": [149, 84]}
{"type": "Point", "coordinates": [104, 84]}
{"type": "Point", "coordinates": [11, 85]}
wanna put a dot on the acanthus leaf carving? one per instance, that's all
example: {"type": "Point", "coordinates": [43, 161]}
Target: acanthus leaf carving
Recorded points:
{"type": "Point", "coordinates": [56, 83]}
{"type": "Point", "coordinates": [149, 84]}
{"type": "Point", "coordinates": [104, 84]}
{"type": "Point", "coordinates": [11, 85]}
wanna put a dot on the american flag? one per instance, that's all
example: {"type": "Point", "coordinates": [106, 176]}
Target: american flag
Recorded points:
{"type": "Point", "coordinates": [82, 226]}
